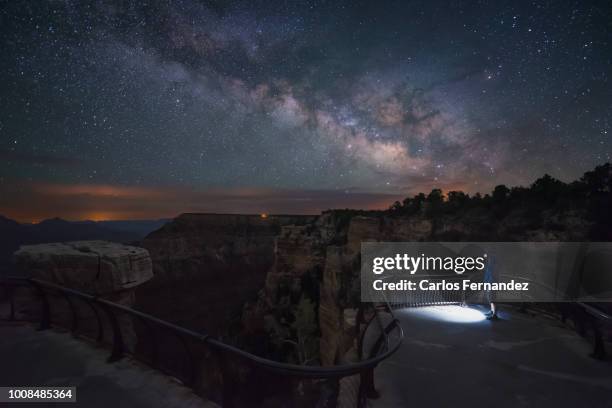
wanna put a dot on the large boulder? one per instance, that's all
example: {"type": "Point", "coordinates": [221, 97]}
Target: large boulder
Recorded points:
{"type": "Point", "coordinates": [105, 269]}
{"type": "Point", "coordinates": [97, 267]}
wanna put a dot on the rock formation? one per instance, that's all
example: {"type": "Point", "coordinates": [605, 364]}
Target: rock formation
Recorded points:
{"type": "Point", "coordinates": [109, 270]}
{"type": "Point", "coordinates": [216, 262]}
{"type": "Point", "coordinates": [321, 261]}
{"type": "Point", "coordinates": [96, 267]}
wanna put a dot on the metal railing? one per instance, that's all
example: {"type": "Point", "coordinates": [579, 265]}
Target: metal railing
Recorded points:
{"type": "Point", "coordinates": [585, 315]}
{"type": "Point", "coordinates": [239, 375]}
{"type": "Point", "coordinates": [400, 299]}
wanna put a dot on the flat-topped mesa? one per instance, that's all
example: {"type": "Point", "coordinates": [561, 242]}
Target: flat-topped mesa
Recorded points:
{"type": "Point", "coordinates": [198, 245]}
{"type": "Point", "coordinates": [96, 267]}
{"type": "Point", "coordinates": [216, 262]}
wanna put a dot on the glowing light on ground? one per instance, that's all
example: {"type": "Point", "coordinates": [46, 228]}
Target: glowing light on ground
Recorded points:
{"type": "Point", "coordinates": [449, 313]}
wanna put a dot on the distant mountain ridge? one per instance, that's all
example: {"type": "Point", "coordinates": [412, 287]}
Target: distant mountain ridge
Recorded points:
{"type": "Point", "coordinates": [14, 234]}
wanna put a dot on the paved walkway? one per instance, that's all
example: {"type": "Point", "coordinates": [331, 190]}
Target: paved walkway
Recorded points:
{"type": "Point", "coordinates": [30, 357]}
{"type": "Point", "coordinates": [454, 358]}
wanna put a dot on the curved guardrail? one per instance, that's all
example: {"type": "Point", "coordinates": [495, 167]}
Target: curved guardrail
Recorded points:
{"type": "Point", "coordinates": [585, 315]}
{"type": "Point", "coordinates": [418, 298]}
{"type": "Point", "coordinates": [225, 355]}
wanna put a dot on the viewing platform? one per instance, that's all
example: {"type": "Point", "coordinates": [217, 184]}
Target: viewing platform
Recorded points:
{"type": "Point", "coordinates": [52, 358]}
{"type": "Point", "coordinates": [453, 356]}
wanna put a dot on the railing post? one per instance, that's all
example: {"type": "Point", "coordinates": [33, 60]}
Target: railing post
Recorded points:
{"type": "Point", "coordinates": [226, 378]}
{"type": "Point", "coordinates": [117, 352]}
{"type": "Point", "coordinates": [579, 321]}
{"type": "Point", "coordinates": [153, 339]}
{"type": "Point", "coordinates": [100, 336]}
{"type": "Point", "coordinates": [75, 316]}
{"type": "Point", "coordinates": [190, 380]}
{"type": "Point", "coordinates": [366, 386]}
{"type": "Point", "coordinates": [45, 317]}
{"type": "Point", "coordinates": [359, 320]}
{"type": "Point", "coordinates": [599, 350]}
{"type": "Point", "coordinates": [11, 294]}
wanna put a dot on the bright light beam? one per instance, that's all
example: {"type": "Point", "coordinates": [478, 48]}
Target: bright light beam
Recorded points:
{"type": "Point", "coordinates": [449, 313]}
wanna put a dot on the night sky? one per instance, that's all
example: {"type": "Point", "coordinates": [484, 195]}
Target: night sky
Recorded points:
{"type": "Point", "coordinates": [114, 111]}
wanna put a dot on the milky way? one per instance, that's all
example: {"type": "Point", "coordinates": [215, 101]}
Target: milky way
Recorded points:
{"type": "Point", "coordinates": [111, 110]}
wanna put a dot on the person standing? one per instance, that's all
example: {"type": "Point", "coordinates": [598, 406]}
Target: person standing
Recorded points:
{"type": "Point", "coordinates": [489, 277]}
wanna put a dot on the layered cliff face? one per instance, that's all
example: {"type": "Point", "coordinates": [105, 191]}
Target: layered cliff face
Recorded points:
{"type": "Point", "coordinates": [308, 305]}
{"type": "Point", "coordinates": [285, 314]}
{"type": "Point", "coordinates": [196, 245]}
{"type": "Point", "coordinates": [216, 262]}
{"type": "Point", "coordinates": [306, 270]}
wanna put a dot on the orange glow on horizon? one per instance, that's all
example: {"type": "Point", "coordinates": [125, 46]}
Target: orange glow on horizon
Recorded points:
{"type": "Point", "coordinates": [33, 203]}
{"type": "Point", "coordinates": [101, 217]}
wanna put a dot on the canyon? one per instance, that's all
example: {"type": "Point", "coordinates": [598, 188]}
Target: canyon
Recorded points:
{"type": "Point", "coordinates": [288, 286]}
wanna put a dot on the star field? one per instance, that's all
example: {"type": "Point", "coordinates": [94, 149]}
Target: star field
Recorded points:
{"type": "Point", "coordinates": [149, 109]}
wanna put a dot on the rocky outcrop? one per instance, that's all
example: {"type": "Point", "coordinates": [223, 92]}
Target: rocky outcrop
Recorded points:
{"type": "Point", "coordinates": [96, 267]}
{"type": "Point", "coordinates": [298, 251]}
{"type": "Point", "coordinates": [316, 265]}
{"type": "Point", "coordinates": [109, 270]}
{"type": "Point", "coordinates": [338, 305]}
{"type": "Point", "coordinates": [340, 284]}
